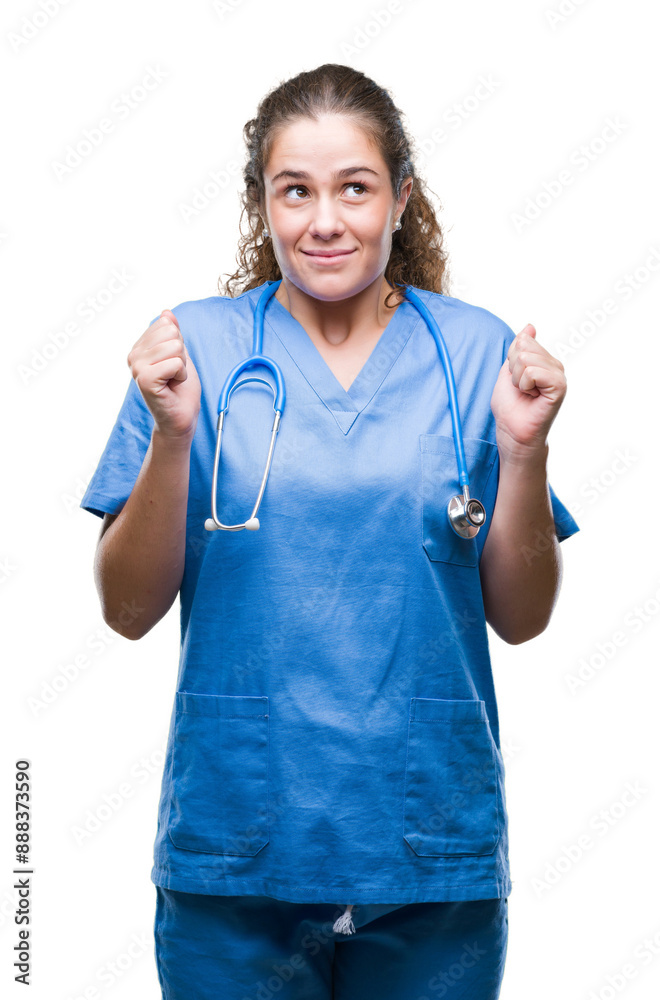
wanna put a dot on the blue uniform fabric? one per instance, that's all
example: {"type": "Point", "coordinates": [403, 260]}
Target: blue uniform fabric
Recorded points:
{"type": "Point", "coordinates": [334, 735]}
{"type": "Point", "coordinates": [257, 948]}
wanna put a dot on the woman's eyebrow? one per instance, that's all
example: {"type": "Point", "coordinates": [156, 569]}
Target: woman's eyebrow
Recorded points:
{"type": "Point", "coordinates": [302, 175]}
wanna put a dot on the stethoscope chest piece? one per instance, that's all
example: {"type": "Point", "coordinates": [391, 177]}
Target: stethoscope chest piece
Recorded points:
{"type": "Point", "coordinates": [466, 515]}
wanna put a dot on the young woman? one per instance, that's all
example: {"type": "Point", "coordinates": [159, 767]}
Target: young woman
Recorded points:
{"type": "Point", "coordinates": [332, 820]}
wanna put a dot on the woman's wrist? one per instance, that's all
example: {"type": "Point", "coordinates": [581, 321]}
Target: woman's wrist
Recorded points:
{"type": "Point", "coordinates": [533, 458]}
{"type": "Point", "coordinates": [172, 443]}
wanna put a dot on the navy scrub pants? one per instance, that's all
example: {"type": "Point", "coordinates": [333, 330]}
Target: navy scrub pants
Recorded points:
{"type": "Point", "coordinates": [260, 948]}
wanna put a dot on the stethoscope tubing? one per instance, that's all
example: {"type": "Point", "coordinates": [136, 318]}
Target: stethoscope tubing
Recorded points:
{"type": "Point", "coordinates": [257, 358]}
{"type": "Point", "coordinates": [463, 477]}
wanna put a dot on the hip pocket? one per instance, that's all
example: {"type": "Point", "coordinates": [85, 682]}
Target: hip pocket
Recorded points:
{"type": "Point", "coordinates": [439, 480]}
{"type": "Point", "coordinates": [219, 792]}
{"type": "Point", "coordinates": [454, 779]}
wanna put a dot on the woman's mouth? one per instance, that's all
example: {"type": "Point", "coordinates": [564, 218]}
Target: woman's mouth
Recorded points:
{"type": "Point", "coordinates": [326, 257]}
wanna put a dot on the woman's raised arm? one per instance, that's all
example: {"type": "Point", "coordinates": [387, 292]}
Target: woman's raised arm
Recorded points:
{"type": "Point", "coordinates": [140, 555]}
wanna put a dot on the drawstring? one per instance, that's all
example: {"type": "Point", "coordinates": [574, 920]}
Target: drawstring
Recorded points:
{"type": "Point", "coordinates": [344, 924]}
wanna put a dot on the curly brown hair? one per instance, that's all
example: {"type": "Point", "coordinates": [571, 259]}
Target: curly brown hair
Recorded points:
{"type": "Point", "coordinates": [417, 256]}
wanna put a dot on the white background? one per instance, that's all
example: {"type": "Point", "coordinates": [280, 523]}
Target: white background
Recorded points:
{"type": "Point", "coordinates": [555, 81]}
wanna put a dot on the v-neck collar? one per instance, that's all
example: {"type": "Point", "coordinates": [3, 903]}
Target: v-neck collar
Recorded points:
{"type": "Point", "coordinates": [344, 404]}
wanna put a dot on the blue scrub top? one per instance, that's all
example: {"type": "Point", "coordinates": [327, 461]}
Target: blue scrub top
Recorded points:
{"type": "Point", "coordinates": [334, 734]}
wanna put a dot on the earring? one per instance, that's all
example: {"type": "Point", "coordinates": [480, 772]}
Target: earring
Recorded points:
{"type": "Point", "coordinates": [398, 225]}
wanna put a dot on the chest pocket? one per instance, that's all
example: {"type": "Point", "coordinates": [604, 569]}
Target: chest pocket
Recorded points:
{"type": "Point", "coordinates": [439, 483]}
{"type": "Point", "coordinates": [219, 792]}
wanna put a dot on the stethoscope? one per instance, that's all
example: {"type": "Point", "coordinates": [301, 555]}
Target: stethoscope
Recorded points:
{"type": "Point", "coordinates": [466, 515]}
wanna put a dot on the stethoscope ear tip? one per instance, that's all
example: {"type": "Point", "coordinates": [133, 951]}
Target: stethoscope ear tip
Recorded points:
{"type": "Point", "coordinates": [252, 524]}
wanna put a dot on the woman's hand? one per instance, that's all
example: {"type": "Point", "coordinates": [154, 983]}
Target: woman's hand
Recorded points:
{"type": "Point", "coordinates": [166, 377]}
{"type": "Point", "coordinates": [529, 390]}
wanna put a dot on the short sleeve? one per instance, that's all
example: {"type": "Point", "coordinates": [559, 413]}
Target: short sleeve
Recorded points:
{"type": "Point", "coordinates": [565, 523]}
{"type": "Point", "coordinates": [122, 458]}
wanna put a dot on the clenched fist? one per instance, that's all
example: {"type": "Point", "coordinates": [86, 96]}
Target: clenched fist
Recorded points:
{"type": "Point", "coordinates": [167, 377]}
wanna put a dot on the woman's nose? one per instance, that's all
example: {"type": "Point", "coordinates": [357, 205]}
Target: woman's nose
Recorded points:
{"type": "Point", "coordinates": [326, 220]}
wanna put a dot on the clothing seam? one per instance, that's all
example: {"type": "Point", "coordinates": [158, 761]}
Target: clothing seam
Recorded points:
{"type": "Point", "coordinates": [102, 496]}
{"type": "Point", "coordinates": [377, 888]}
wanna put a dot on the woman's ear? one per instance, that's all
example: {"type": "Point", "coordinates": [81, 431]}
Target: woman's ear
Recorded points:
{"type": "Point", "coordinates": [406, 190]}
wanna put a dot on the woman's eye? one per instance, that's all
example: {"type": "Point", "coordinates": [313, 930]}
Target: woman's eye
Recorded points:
{"type": "Point", "coordinates": [294, 187]}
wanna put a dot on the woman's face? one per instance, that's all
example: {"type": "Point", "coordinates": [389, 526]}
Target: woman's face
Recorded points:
{"type": "Point", "coordinates": [328, 192]}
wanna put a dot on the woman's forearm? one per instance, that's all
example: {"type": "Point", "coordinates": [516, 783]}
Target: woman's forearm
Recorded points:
{"type": "Point", "coordinates": [140, 558]}
{"type": "Point", "coordinates": [521, 564]}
